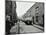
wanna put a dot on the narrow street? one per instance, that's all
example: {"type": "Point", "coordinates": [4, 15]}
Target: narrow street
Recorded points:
{"type": "Point", "coordinates": [27, 28]}
{"type": "Point", "coordinates": [24, 17]}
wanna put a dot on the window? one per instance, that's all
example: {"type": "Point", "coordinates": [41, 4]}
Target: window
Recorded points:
{"type": "Point", "coordinates": [37, 7]}
{"type": "Point", "coordinates": [36, 18]}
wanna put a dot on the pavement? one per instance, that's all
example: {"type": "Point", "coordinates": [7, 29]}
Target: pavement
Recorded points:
{"type": "Point", "coordinates": [23, 28]}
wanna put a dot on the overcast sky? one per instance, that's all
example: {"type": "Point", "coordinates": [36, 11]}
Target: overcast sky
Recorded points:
{"type": "Point", "coordinates": [22, 7]}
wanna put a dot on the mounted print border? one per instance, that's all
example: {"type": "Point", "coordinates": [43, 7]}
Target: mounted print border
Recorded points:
{"type": "Point", "coordinates": [23, 17]}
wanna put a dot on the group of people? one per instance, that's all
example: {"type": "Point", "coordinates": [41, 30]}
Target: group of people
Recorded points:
{"type": "Point", "coordinates": [9, 24]}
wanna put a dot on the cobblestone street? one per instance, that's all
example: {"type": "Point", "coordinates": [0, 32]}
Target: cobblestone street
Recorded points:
{"type": "Point", "coordinates": [27, 28]}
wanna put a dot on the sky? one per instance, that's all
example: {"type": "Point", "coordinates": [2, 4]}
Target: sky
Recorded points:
{"type": "Point", "coordinates": [22, 8]}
